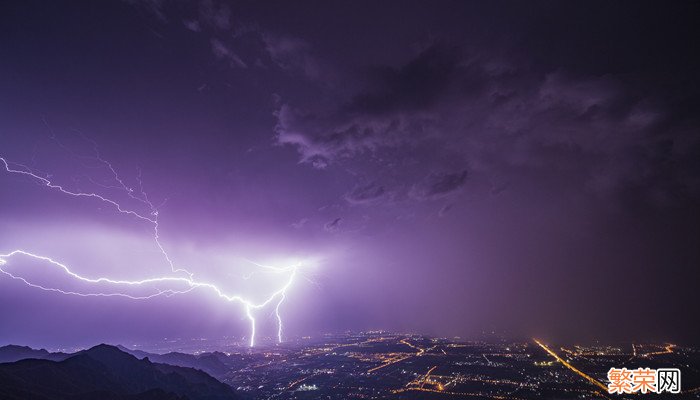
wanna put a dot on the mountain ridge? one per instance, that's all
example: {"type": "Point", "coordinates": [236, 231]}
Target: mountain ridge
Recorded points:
{"type": "Point", "coordinates": [105, 371]}
{"type": "Point", "coordinates": [13, 352]}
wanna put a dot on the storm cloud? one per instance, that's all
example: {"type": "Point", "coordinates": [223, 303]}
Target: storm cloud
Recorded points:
{"type": "Point", "coordinates": [492, 115]}
{"type": "Point", "coordinates": [529, 167]}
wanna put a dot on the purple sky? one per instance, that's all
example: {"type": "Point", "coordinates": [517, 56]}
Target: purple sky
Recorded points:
{"type": "Point", "coordinates": [444, 168]}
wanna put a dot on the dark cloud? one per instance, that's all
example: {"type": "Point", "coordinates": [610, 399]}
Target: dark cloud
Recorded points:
{"type": "Point", "coordinates": [300, 224]}
{"type": "Point", "coordinates": [216, 15]}
{"type": "Point", "coordinates": [445, 209]}
{"type": "Point", "coordinates": [444, 183]}
{"type": "Point", "coordinates": [365, 194]}
{"type": "Point", "coordinates": [294, 54]}
{"type": "Point", "coordinates": [439, 184]}
{"type": "Point", "coordinates": [153, 7]}
{"type": "Point", "coordinates": [192, 25]}
{"type": "Point", "coordinates": [222, 51]}
{"type": "Point", "coordinates": [395, 110]}
{"type": "Point", "coordinates": [333, 226]}
{"type": "Point", "coordinates": [414, 87]}
{"type": "Point", "coordinates": [242, 42]}
{"type": "Point", "coordinates": [619, 122]}
{"type": "Point", "coordinates": [322, 140]}
{"type": "Point", "coordinates": [494, 114]}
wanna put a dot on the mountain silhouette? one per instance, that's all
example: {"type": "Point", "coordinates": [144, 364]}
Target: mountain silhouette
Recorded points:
{"type": "Point", "coordinates": [12, 353]}
{"type": "Point", "coordinates": [105, 372]}
{"type": "Point", "coordinates": [216, 364]}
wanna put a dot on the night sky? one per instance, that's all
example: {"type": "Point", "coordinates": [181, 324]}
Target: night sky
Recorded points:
{"type": "Point", "coordinates": [445, 168]}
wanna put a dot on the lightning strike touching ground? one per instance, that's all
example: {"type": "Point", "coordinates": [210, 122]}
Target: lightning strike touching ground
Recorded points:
{"type": "Point", "coordinates": [186, 283]}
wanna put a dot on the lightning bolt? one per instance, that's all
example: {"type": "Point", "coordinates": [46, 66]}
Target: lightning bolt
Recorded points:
{"type": "Point", "coordinates": [188, 282]}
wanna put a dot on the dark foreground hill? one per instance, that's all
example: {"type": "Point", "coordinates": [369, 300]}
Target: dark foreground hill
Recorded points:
{"type": "Point", "coordinates": [105, 372]}
{"type": "Point", "coordinates": [216, 364]}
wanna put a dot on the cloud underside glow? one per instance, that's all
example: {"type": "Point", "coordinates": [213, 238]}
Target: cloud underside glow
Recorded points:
{"type": "Point", "coordinates": [178, 281]}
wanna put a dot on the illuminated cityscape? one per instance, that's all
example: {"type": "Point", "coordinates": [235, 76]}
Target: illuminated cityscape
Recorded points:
{"type": "Point", "coordinates": [377, 365]}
